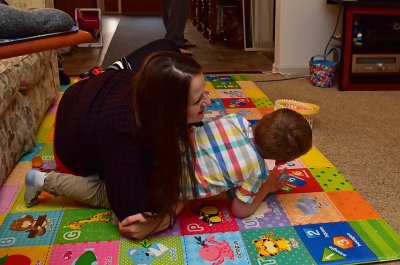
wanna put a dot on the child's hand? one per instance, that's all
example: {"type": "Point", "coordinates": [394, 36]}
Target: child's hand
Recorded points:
{"type": "Point", "coordinates": [274, 181]}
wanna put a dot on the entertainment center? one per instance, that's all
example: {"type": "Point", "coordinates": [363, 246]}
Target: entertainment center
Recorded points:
{"type": "Point", "coordinates": [370, 45]}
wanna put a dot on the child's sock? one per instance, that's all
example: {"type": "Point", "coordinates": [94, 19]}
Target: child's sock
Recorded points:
{"type": "Point", "coordinates": [34, 181]}
{"type": "Point", "coordinates": [35, 178]}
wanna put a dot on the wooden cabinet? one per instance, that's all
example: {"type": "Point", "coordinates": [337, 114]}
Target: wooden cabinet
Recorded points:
{"type": "Point", "coordinates": [370, 48]}
{"type": "Point", "coordinates": [111, 6]}
{"type": "Point", "coordinates": [141, 7]}
{"type": "Point", "coordinates": [219, 20]}
{"type": "Point", "coordinates": [70, 5]}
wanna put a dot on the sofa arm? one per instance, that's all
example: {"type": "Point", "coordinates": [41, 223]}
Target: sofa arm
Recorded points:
{"type": "Point", "coordinates": [43, 44]}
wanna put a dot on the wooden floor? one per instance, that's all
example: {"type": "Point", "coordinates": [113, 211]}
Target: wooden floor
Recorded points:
{"type": "Point", "coordinates": [81, 59]}
{"type": "Point", "coordinates": [213, 58]}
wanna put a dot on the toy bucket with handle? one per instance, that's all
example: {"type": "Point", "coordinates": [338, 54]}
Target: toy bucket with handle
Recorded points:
{"type": "Point", "coordinates": [322, 72]}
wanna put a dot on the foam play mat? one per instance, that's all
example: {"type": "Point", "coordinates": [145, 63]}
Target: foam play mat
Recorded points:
{"type": "Point", "coordinates": [317, 218]}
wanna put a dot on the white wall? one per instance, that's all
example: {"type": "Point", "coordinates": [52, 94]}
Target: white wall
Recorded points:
{"type": "Point", "coordinates": [302, 29]}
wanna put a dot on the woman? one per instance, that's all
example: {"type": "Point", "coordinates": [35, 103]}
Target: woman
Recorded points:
{"type": "Point", "coordinates": [131, 130]}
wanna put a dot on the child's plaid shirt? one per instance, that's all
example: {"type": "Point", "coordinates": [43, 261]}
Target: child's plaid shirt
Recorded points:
{"type": "Point", "coordinates": [226, 157]}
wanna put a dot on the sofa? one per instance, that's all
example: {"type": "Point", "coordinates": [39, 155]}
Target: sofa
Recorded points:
{"type": "Point", "coordinates": [28, 86]}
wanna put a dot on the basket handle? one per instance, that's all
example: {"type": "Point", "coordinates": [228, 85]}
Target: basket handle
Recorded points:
{"type": "Point", "coordinates": [338, 52]}
{"type": "Point", "coordinates": [317, 56]}
{"type": "Point", "coordinates": [327, 54]}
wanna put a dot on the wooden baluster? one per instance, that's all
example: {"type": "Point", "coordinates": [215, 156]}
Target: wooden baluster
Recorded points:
{"type": "Point", "coordinates": [212, 24]}
{"type": "Point", "coordinates": [193, 12]}
{"type": "Point", "coordinates": [201, 15]}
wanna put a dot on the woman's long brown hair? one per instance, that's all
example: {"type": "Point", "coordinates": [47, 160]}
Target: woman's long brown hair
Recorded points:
{"type": "Point", "coordinates": [161, 104]}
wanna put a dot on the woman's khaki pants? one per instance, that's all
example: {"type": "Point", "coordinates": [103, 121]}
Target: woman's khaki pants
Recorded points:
{"type": "Point", "coordinates": [89, 190]}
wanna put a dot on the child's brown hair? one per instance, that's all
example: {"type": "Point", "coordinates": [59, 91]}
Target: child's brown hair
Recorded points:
{"type": "Point", "coordinates": [283, 134]}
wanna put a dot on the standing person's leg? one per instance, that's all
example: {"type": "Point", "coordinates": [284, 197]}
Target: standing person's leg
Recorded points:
{"type": "Point", "coordinates": [89, 190]}
{"type": "Point", "coordinates": [166, 4]}
{"type": "Point", "coordinates": [135, 59]}
{"type": "Point", "coordinates": [178, 13]}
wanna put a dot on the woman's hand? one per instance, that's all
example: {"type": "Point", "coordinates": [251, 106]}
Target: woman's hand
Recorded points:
{"type": "Point", "coordinates": [138, 227]}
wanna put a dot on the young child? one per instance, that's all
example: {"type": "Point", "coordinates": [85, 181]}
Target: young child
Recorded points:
{"type": "Point", "coordinates": [229, 153]}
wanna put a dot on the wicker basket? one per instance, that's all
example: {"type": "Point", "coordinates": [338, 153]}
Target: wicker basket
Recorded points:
{"type": "Point", "coordinates": [308, 110]}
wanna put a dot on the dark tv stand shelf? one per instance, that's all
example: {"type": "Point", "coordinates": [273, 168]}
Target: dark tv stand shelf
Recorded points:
{"type": "Point", "coordinates": [376, 80]}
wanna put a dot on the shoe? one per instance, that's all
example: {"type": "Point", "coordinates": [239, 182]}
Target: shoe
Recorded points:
{"type": "Point", "coordinates": [64, 79]}
{"type": "Point", "coordinates": [91, 73]}
{"type": "Point", "coordinates": [186, 52]}
{"type": "Point", "coordinates": [189, 43]}
{"type": "Point", "coordinates": [33, 188]}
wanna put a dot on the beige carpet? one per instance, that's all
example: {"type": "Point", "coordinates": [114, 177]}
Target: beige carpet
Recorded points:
{"type": "Point", "coordinates": [358, 132]}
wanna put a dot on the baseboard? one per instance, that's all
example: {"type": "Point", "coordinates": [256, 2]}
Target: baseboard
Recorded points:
{"type": "Point", "coordinates": [291, 70]}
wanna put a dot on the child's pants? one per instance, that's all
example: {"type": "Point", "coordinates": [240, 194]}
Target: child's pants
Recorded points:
{"type": "Point", "coordinates": [89, 190]}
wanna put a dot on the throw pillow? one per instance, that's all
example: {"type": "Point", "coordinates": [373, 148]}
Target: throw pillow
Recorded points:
{"type": "Point", "coordinates": [20, 23]}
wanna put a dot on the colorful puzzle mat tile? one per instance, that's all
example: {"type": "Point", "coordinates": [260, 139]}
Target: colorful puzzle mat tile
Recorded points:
{"type": "Point", "coordinates": [248, 113]}
{"type": "Point", "coordinates": [294, 164]}
{"type": "Point", "coordinates": [8, 194]}
{"type": "Point", "coordinates": [163, 250]}
{"type": "Point", "coordinates": [310, 208]}
{"type": "Point", "coordinates": [317, 219]}
{"type": "Point", "coordinates": [46, 152]}
{"type": "Point", "coordinates": [45, 128]}
{"type": "Point", "coordinates": [225, 84]}
{"type": "Point", "coordinates": [276, 246]}
{"type": "Point", "coordinates": [87, 225]}
{"type": "Point", "coordinates": [211, 217]}
{"type": "Point", "coordinates": [210, 90]}
{"type": "Point", "coordinates": [30, 228]}
{"type": "Point", "coordinates": [264, 111]}
{"type": "Point", "coordinates": [239, 78]}
{"type": "Point", "coordinates": [172, 231]}
{"type": "Point", "coordinates": [231, 93]}
{"type": "Point", "coordinates": [86, 253]}
{"type": "Point", "coordinates": [358, 209]}
{"type": "Point", "coordinates": [269, 214]}
{"type": "Point", "coordinates": [50, 136]}
{"type": "Point", "coordinates": [237, 103]}
{"type": "Point", "coordinates": [46, 202]}
{"type": "Point", "coordinates": [262, 102]}
{"type": "Point", "coordinates": [298, 181]}
{"type": "Point", "coordinates": [335, 243]}
{"type": "Point", "coordinates": [251, 89]}
{"type": "Point", "coordinates": [23, 255]}
{"type": "Point", "coordinates": [216, 248]}
{"type": "Point", "coordinates": [36, 150]}
{"type": "Point", "coordinates": [216, 104]}
{"type": "Point", "coordinates": [219, 78]}
{"type": "Point", "coordinates": [379, 237]}
{"type": "Point", "coordinates": [315, 159]}
{"type": "Point", "coordinates": [331, 179]}
{"type": "Point", "coordinates": [53, 108]}
{"type": "Point", "coordinates": [17, 175]}
{"type": "Point", "coordinates": [2, 218]}
{"type": "Point", "coordinates": [210, 114]}
{"type": "Point", "coordinates": [70, 204]}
